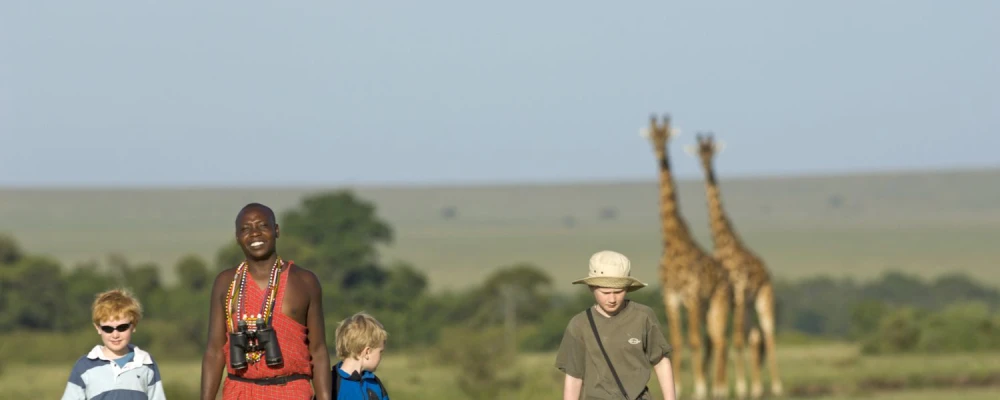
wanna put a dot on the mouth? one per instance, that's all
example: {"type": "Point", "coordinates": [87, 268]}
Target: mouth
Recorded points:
{"type": "Point", "coordinates": [256, 244]}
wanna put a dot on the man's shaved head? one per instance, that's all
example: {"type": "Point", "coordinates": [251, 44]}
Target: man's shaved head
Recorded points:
{"type": "Point", "coordinates": [256, 206]}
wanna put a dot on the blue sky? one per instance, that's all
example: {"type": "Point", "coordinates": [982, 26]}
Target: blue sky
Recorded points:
{"type": "Point", "coordinates": [324, 92]}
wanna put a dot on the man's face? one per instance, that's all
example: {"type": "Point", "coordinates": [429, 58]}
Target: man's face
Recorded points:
{"type": "Point", "coordinates": [257, 233]}
{"type": "Point", "coordinates": [610, 300]}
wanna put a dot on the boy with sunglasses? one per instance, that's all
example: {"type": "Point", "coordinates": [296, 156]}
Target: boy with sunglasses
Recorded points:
{"type": "Point", "coordinates": [102, 372]}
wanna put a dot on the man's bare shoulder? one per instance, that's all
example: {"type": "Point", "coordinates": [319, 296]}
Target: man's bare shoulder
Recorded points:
{"type": "Point", "coordinates": [225, 275]}
{"type": "Point", "coordinates": [300, 277]}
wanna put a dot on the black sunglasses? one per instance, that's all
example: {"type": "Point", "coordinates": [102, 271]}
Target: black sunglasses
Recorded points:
{"type": "Point", "coordinates": [119, 328]}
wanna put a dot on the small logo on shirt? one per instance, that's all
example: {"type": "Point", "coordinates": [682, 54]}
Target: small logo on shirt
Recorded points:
{"type": "Point", "coordinates": [634, 341]}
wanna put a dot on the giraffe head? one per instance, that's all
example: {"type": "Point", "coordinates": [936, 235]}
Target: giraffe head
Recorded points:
{"type": "Point", "coordinates": [659, 133]}
{"type": "Point", "coordinates": [707, 147]}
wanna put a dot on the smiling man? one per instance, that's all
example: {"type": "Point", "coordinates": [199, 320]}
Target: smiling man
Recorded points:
{"type": "Point", "coordinates": [265, 325]}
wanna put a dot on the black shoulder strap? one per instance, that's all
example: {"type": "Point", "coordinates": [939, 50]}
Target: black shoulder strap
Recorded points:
{"type": "Point", "coordinates": [336, 382]}
{"type": "Point", "coordinates": [385, 392]}
{"type": "Point", "coordinates": [593, 326]}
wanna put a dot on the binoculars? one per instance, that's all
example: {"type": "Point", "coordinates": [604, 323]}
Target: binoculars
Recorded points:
{"type": "Point", "coordinates": [245, 341]}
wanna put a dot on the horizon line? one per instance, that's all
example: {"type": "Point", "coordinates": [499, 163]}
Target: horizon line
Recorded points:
{"type": "Point", "coordinates": [846, 173]}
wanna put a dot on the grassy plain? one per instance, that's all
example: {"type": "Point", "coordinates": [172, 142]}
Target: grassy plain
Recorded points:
{"type": "Point", "coordinates": [832, 371]}
{"type": "Point", "coordinates": [927, 223]}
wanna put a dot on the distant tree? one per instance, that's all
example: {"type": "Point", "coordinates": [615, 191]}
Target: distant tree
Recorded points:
{"type": "Point", "coordinates": [342, 233]}
{"type": "Point", "coordinates": [608, 213]}
{"type": "Point", "coordinates": [32, 294]}
{"type": "Point", "coordinates": [192, 273]}
{"type": "Point", "coordinates": [449, 212]}
{"type": "Point", "coordinates": [10, 250]}
{"type": "Point", "coordinates": [569, 221]}
{"type": "Point", "coordinates": [835, 201]}
{"type": "Point", "coordinates": [230, 255]}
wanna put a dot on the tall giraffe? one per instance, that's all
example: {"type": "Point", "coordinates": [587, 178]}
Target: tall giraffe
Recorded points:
{"type": "Point", "coordinates": [749, 278]}
{"type": "Point", "coordinates": [690, 277]}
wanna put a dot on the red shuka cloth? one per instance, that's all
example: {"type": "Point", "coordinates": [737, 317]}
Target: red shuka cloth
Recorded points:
{"type": "Point", "coordinates": [294, 351]}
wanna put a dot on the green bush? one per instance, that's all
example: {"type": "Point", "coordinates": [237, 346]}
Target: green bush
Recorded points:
{"type": "Point", "coordinates": [898, 332]}
{"type": "Point", "coordinates": [961, 327]}
{"type": "Point", "coordinates": [488, 370]}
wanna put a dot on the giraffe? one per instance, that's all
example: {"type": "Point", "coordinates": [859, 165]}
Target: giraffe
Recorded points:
{"type": "Point", "coordinates": [691, 278]}
{"type": "Point", "coordinates": [748, 276]}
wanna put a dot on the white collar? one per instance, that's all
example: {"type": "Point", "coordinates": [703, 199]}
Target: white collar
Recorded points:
{"type": "Point", "coordinates": [141, 356]}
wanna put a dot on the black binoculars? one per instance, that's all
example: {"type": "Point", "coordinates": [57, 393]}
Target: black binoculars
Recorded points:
{"type": "Point", "coordinates": [243, 341]}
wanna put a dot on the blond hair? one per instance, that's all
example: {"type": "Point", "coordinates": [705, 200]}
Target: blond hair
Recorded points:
{"type": "Point", "coordinates": [357, 332]}
{"type": "Point", "coordinates": [114, 304]}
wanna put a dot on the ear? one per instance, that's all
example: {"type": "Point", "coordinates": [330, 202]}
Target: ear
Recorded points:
{"type": "Point", "coordinates": [277, 231]}
{"type": "Point", "coordinates": [691, 150]}
{"type": "Point", "coordinates": [719, 146]}
{"type": "Point", "coordinates": [98, 329]}
{"type": "Point", "coordinates": [644, 132]}
{"type": "Point", "coordinates": [675, 132]}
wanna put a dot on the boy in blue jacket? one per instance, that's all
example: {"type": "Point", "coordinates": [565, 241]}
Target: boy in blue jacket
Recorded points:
{"type": "Point", "coordinates": [360, 341]}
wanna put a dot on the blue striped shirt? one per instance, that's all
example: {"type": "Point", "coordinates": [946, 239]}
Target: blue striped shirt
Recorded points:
{"type": "Point", "coordinates": [97, 377]}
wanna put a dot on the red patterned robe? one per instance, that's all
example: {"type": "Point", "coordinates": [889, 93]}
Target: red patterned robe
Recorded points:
{"type": "Point", "coordinates": [294, 351]}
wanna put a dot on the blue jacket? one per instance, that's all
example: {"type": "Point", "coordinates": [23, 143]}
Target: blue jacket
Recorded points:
{"type": "Point", "coordinates": [354, 386]}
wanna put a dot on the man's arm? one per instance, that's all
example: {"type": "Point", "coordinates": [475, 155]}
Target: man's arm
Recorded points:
{"type": "Point", "coordinates": [321, 379]}
{"type": "Point", "coordinates": [214, 361]}
{"type": "Point", "coordinates": [665, 374]}
{"type": "Point", "coordinates": [572, 387]}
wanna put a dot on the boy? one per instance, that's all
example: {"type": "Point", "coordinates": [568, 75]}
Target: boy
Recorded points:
{"type": "Point", "coordinates": [118, 368]}
{"type": "Point", "coordinates": [360, 342]}
{"type": "Point", "coordinates": [631, 344]}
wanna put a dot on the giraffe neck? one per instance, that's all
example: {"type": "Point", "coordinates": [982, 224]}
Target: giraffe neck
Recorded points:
{"type": "Point", "coordinates": [723, 234]}
{"type": "Point", "coordinates": [675, 229]}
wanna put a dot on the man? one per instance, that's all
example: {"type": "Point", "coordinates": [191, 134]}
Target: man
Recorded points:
{"type": "Point", "coordinates": [284, 297]}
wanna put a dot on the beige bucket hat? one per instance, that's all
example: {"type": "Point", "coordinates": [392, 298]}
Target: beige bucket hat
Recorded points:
{"type": "Point", "coordinates": [611, 269]}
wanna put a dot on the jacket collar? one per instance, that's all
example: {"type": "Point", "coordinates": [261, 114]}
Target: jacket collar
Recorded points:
{"type": "Point", "coordinates": [353, 376]}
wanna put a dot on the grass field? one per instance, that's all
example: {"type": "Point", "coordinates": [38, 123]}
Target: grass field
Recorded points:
{"type": "Point", "coordinates": [833, 371]}
{"type": "Point", "coordinates": [923, 222]}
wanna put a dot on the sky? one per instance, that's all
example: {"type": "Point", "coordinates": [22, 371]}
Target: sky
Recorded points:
{"type": "Point", "coordinates": [237, 93]}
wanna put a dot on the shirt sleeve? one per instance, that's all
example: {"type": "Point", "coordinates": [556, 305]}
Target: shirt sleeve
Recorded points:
{"type": "Point", "coordinates": [154, 387]}
{"type": "Point", "coordinates": [656, 345]}
{"type": "Point", "coordinates": [572, 351]}
{"type": "Point", "coordinates": [75, 386]}
{"type": "Point", "coordinates": [73, 392]}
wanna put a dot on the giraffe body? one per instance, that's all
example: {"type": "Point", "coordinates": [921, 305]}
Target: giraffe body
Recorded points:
{"type": "Point", "coordinates": [751, 282]}
{"type": "Point", "coordinates": [691, 278]}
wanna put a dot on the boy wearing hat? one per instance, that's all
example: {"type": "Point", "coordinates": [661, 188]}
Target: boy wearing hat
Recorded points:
{"type": "Point", "coordinates": [609, 350]}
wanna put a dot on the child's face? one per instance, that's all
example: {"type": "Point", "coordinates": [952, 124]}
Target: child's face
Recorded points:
{"type": "Point", "coordinates": [116, 341]}
{"type": "Point", "coordinates": [610, 300]}
{"type": "Point", "coordinates": [373, 358]}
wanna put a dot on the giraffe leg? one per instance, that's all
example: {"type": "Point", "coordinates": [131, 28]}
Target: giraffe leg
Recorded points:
{"type": "Point", "coordinates": [757, 388]}
{"type": "Point", "coordinates": [673, 303]}
{"type": "Point", "coordinates": [739, 330]}
{"type": "Point", "coordinates": [694, 307]}
{"type": "Point", "coordinates": [765, 313]}
{"type": "Point", "coordinates": [718, 315]}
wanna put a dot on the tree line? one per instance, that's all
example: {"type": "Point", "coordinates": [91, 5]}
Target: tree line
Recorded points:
{"type": "Point", "coordinates": [44, 308]}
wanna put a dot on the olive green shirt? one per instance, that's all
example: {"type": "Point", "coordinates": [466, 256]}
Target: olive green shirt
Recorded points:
{"type": "Point", "coordinates": [634, 343]}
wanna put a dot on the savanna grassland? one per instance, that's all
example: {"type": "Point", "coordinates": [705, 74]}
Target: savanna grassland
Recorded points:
{"type": "Point", "coordinates": [854, 226]}
{"type": "Point", "coordinates": [859, 226]}
{"type": "Point", "coordinates": [829, 372]}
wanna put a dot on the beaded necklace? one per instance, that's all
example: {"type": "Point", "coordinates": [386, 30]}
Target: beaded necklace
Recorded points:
{"type": "Point", "coordinates": [266, 309]}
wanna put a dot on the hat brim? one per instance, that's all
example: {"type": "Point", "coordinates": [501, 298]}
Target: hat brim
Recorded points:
{"type": "Point", "coordinates": [628, 283]}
